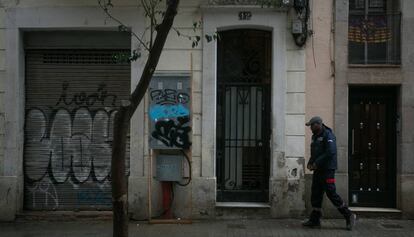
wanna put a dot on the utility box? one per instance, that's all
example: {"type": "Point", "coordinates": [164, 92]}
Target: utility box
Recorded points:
{"type": "Point", "coordinates": [170, 112]}
{"type": "Point", "coordinates": [169, 167]}
{"type": "Point", "coordinates": [297, 27]}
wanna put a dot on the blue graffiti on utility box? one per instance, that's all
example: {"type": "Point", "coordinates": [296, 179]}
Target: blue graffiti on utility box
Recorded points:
{"type": "Point", "coordinates": [159, 112]}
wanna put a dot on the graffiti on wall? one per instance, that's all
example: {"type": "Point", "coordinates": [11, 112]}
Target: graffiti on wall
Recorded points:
{"type": "Point", "coordinates": [70, 146]}
{"type": "Point", "coordinates": [169, 113]}
{"type": "Point", "coordinates": [82, 98]}
{"type": "Point", "coordinates": [47, 192]}
{"type": "Point", "coordinates": [68, 149]}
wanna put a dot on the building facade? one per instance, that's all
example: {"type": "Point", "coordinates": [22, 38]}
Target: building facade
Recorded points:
{"type": "Point", "coordinates": [373, 102]}
{"type": "Point", "coordinates": [230, 112]}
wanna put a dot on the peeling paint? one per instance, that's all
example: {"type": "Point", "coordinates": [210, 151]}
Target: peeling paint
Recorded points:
{"type": "Point", "coordinates": [301, 161]}
{"type": "Point", "coordinates": [294, 172]}
{"type": "Point", "coordinates": [281, 161]}
{"type": "Point", "coordinates": [293, 186]}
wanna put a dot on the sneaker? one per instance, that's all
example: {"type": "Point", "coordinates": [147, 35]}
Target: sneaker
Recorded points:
{"type": "Point", "coordinates": [350, 222]}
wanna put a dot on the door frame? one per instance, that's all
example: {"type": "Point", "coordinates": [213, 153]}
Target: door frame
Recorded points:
{"type": "Point", "coordinates": [248, 195]}
{"type": "Point", "coordinates": [217, 19]}
{"type": "Point", "coordinates": [389, 93]}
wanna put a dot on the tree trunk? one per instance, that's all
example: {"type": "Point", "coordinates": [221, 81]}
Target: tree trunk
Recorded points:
{"type": "Point", "coordinates": [155, 52]}
{"type": "Point", "coordinates": [122, 120]}
{"type": "Point", "coordinates": [119, 184]}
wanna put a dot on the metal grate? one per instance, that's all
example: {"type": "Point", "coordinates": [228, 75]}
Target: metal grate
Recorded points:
{"type": "Point", "coordinates": [72, 97]}
{"type": "Point", "coordinates": [78, 57]}
{"type": "Point", "coordinates": [243, 115]}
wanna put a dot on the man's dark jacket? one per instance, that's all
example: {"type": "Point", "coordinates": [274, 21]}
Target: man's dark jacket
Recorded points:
{"type": "Point", "coordinates": [323, 150]}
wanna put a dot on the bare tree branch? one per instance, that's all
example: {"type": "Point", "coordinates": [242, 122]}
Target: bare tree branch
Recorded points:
{"type": "Point", "coordinates": [106, 10]}
{"type": "Point", "coordinates": [122, 121]}
{"type": "Point", "coordinates": [162, 32]}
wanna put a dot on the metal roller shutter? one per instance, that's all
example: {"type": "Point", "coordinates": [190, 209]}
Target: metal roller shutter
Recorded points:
{"type": "Point", "coordinates": [71, 100]}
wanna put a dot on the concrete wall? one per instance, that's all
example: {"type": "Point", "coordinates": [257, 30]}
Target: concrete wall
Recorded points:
{"type": "Point", "coordinates": [319, 75]}
{"type": "Point", "coordinates": [178, 57]}
{"type": "Point", "coordinates": [7, 184]}
{"type": "Point", "coordinates": [402, 76]}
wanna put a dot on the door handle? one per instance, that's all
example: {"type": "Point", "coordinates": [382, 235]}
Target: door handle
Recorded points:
{"type": "Point", "coordinates": [353, 142]}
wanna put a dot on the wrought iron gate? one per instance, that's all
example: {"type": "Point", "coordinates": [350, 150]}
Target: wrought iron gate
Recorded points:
{"type": "Point", "coordinates": [243, 115]}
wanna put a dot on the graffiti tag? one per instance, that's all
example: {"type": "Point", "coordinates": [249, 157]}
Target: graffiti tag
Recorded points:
{"type": "Point", "coordinates": [169, 96]}
{"type": "Point", "coordinates": [94, 197]}
{"type": "Point", "coordinates": [173, 133]}
{"type": "Point", "coordinates": [45, 191]}
{"type": "Point", "coordinates": [158, 112]}
{"type": "Point", "coordinates": [82, 98]}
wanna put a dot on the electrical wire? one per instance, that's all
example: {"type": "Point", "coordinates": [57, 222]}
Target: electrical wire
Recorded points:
{"type": "Point", "coordinates": [178, 183]}
{"type": "Point", "coordinates": [190, 171]}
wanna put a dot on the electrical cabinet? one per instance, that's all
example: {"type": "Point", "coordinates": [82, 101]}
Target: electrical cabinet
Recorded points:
{"type": "Point", "coordinates": [169, 168]}
{"type": "Point", "coordinates": [169, 112]}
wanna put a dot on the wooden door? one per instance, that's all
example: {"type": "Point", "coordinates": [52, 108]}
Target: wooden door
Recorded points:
{"type": "Point", "coordinates": [372, 156]}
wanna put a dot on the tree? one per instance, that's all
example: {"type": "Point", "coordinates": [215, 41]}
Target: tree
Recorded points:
{"type": "Point", "coordinates": [158, 33]}
{"type": "Point", "coordinates": [127, 108]}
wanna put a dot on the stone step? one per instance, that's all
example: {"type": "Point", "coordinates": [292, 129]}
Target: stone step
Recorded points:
{"type": "Point", "coordinates": [63, 215]}
{"type": "Point", "coordinates": [376, 212]}
{"type": "Point", "coordinates": [242, 210]}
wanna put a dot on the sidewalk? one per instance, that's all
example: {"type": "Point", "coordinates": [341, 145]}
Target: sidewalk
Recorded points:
{"type": "Point", "coordinates": [219, 228]}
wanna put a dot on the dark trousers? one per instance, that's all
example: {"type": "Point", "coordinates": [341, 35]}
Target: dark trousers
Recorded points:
{"type": "Point", "coordinates": [324, 181]}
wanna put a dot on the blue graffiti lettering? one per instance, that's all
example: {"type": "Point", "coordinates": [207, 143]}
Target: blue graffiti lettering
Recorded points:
{"type": "Point", "coordinates": [94, 197]}
{"type": "Point", "coordinates": [158, 112]}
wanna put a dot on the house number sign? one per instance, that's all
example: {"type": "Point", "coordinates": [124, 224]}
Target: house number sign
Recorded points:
{"type": "Point", "coordinates": [245, 16]}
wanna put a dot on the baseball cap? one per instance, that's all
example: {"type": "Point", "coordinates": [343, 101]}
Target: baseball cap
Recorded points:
{"type": "Point", "coordinates": [313, 120]}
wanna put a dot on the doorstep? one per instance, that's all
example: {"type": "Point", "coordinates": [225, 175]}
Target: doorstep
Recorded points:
{"type": "Point", "coordinates": [375, 209]}
{"type": "Point", "coordinates": [377, 212]}
{"type": "Point", "coordinates": [63, 215]}
{"type": "Point", "coordinates": [242, 210]}
{"type": "Point", "coordinates": [243, 204]}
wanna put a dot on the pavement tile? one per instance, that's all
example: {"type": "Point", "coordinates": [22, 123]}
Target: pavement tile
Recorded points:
{"type": "Point", "coordinates": [217, 228]}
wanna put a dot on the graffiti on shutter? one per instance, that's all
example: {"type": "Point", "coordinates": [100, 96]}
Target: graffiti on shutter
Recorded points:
{"type": "Point", "coordinates": [71, 102]}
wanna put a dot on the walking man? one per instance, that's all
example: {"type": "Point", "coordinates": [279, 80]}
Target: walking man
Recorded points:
{"type": "Point", "coordinates": [323, 163]}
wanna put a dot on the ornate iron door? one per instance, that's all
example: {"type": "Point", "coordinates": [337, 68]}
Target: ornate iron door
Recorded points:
{"type": "Point", "coordinates": [372, 147]}
{"type": "Point", "coordinates": [243, 115]}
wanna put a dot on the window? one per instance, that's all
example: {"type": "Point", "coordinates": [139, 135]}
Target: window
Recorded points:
{"type": "Point", "coordinates": [374, 32]}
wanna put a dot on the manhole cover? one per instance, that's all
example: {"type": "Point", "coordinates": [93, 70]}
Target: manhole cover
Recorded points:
{"type": "Point", "coordinates": [236, 226]}
{"type": "Point", "coordinates": [391, 226]}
